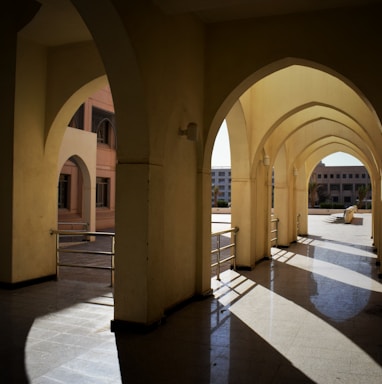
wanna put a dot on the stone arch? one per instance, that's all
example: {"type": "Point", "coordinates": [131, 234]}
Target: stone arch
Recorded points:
{"type": "Point", "coordinates": [124, 78]}
{"type": "Point", "coordinates": [355, 111]}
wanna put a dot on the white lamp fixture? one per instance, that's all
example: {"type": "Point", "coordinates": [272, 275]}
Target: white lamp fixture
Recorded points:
{"type": "Point", "coordinates": [191, 131]}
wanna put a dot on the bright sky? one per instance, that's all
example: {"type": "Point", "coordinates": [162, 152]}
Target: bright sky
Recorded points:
{"type": "Point", "coordinates": [221, 156]}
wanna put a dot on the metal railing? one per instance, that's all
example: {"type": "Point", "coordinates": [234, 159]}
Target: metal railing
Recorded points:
{"type": "Point", "coordinates": [298, 224]}
{"type": "Point", "coordinates": [86, 235]}
{"type": "Point", "coordinates": [274, 232]}
{"type": "Point", "coordinates": [73, 224]}
{"type": "Point", "coordinates": [221, 248]}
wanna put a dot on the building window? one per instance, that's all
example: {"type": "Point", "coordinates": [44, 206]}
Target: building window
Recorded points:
{"type": "Point", "coordinates": [334, 187]}
{"type": "Point", "coordinates": [344, 176]}
{"type": "Point", "coordinates": [77, 121]}
{"type": "Point", "coordinates": [347, 187]}
{"type": "Point", "coordinates": [350, 175]}
{"type": "Point", "coordinates": [319, 176]}
{"type": "Point", "coordinates": [324, 187]}
{"type": "Point", "coordinates": [338, 175]}
{"type": "Point", "coordinates": [331, 176]}
{"type": "Point", "coordinates": [221, 173]}
{"type": "Point", "coordinates": [364, 176]}
{"type": "Point", "coordinates": [102, 124]}
{"type": "Point", "coordinates": [357, 176]}
{"type": "Point", "coordinates": [325, 176]}
{"type": "Point", "coordinates": [221, 180]}
{"type": "Point", "coordinates": [102, 192]}
{"type": "Point", "coordinates": [347, 199]}
{"type": "Point", "coordinates": [63, 191]}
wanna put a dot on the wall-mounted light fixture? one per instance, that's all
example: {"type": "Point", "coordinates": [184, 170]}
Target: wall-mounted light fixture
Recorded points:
{"type": "Point", "coordinates": [191, 131]}
{"type": "Point", "coordinates": [266, 160]}
{"type": "Point", "coordinates": [295, 171]}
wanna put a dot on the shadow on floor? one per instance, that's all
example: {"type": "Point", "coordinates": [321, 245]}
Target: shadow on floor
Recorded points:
{"type": "Point", "coordinates": [202, 343]}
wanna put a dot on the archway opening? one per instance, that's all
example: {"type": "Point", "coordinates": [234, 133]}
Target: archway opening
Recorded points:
{"type": "Point", "coordinates": [221, 201]}
{"type": "Point", "coordinates": [70, 197]}
{"type": "Point", "coordinates": [338, 181]}
{"type": "Point", "coordinates": [86, 190]}
{"type": "Point", "coordinates": [91, 134]}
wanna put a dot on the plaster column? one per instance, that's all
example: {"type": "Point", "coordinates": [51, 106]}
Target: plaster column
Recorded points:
{"type": "Point", "coordinates": [12, 19]}
{"type": "Point", "coordinates": [203, 234]}
{"type": "Point", "coordinates": [241, 217]}
{"type": "Point", "coordinates": [261, 216]}
{"type": "Point", "coordinates": [139, 245]}
{"type": "Point", "coordinates": [301, 203]}
{"type": "Point", "coordinates": [7, 85]}
{"type": "Point", "coordinates": [377, 224]}
{"type": "Point", "coordinates": [281, 196]}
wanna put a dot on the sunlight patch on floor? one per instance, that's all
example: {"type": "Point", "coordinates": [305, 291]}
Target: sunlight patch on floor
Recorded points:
{"type": "Point", "coordinates": [313, 346]}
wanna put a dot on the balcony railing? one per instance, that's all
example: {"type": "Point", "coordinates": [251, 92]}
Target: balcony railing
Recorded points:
{"type": "Point", "coordinates": [80, 250]}
{"type": "Point", "coordinates": [224, 245]}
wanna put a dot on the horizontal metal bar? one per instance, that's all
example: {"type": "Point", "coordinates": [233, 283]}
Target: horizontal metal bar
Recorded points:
{"type": "Point", "coordinates": [85, 266]}
{"type": "Point", "coordinates": [66, 250]}
{"type": "Point", "coordinates": [234, 230]}
{"type": "Point", "coordinates": [80, 233]}
{"type": "Point", "coordinates": [223, 261]}
{"type": "Point", "coordinates": [223, 248]}
{"type": "Point", "coordinates": [71, 223]}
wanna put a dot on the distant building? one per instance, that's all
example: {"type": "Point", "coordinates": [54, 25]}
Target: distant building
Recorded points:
{"type": "Point", "coordinates": [221, 178]}
{"type": "Point", "coordinates": [340, 184]}
{"type": "Point", "coordinates": [337, 184]}
{"type": "Point", "coordinates": [95, 118]}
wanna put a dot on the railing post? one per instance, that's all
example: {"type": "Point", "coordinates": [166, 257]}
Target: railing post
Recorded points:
{"type": "Point", "coordinates": [277, 233]}
{"type": "Point", "coordinates": [298, 225]}
{"type": "Point", "coordinates": [218, 256]}
{"type": "Point", "coordinates": [57, 255]}
{"type": "Point", "coordinates": [112, 260]}
{"type": "Point", "coordinates": [234, 247]}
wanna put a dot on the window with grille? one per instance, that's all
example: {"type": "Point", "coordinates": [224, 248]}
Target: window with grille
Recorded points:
{"type": "Point", "coordinates": [102, 192]}
{"type": "Point", "coordinates": [63, 191]}
{"type": "Point", "coordinates": [102, 124]}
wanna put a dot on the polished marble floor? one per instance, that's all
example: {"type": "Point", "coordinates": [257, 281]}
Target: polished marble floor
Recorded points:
{"type": "Point", "coordinates": [312, 314]}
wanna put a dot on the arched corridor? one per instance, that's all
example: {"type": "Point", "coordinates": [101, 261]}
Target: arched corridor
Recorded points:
{"type": "Point", "coordinates": [294, 83]}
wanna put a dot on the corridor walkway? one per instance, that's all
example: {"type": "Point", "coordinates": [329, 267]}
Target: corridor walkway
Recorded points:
{"type": "Point", "coordinates": [312, 314]}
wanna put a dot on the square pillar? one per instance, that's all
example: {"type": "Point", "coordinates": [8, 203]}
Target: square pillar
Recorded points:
{"type": "Point", "coordinates": [139, 259]}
